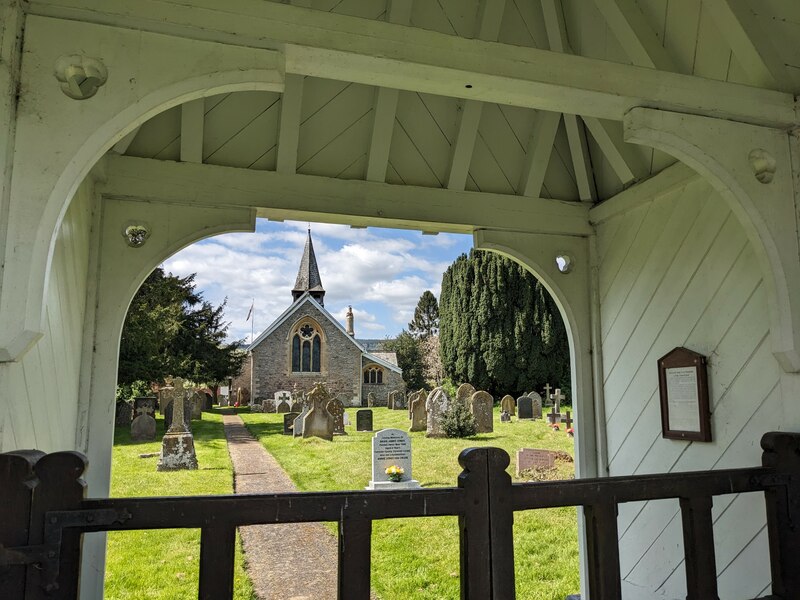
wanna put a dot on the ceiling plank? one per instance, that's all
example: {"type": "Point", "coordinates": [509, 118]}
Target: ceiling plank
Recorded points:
{"type": "Point", "coordinates": [121, 147]}
{"type": "Point", "coordinates": [289, 128]}
{"type": "Point", "coordinates": [537, 157]}
{"type": "Point", "coordinates": [377, 53]}
{"type": "Point", "coordinates": [351, 202]}
{"type": "Point", "coordinates": [578, 148]}
{"type": "Point", "coordinates": [750, 43]}
{"type": "Point", "coordinates": [629, 25]}
{"type": "Point", "coordinates": [610, 150]}
{"type": "Point", "coordinates": [399, 12]}
{"type": "Point", "coordinates": [193, 114]}
{"type": "Point", "coordinates": [490, 16]}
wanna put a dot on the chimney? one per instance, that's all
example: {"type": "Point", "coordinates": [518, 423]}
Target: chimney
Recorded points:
{"type": "Point", "coordinates": [349, 322]}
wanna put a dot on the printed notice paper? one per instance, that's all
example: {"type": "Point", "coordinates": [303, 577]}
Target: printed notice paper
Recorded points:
{"type": "Point", "coordinates": [683, 402]}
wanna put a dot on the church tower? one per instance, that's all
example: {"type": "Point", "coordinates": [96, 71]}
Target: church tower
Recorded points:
{"type": "Point", "coordinates": [308, 279]}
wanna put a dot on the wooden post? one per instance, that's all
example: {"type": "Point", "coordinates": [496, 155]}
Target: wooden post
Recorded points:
{"type": "Point", "coordinates": [217, 554]}
{"type": "Point", "coordinates": [17, 482]}
{"type": "Point", "coordinates": [355, 544]}
{"type": "Point", "coordinates": [782, 453]}
{"type": "Point", "coordinates": [486, 528]}
{"type": "Point", "coordinates": [698, 548]}
{"type": "Point", "coordinates": [602, 541]}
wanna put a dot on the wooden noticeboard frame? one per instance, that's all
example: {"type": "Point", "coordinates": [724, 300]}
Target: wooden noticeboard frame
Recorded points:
{"type": "Point", "coordinates": [683, 389]}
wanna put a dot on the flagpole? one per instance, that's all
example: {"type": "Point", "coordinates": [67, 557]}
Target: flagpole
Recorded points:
{"type": "Point", "coordinates": [252, 339]}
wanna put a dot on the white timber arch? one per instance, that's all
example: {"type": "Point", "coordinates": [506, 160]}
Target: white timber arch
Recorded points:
{"type": "Point", "coordinates": [753, 169]}
{"type": "Point", "coordinates": [147, 74]}
{"type": "Point", "coordinates": [571, 291]}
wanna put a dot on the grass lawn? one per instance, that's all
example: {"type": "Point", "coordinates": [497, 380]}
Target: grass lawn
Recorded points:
{"type": "Point", "coordinates": [164, 564]}
{"type": "Point", "coordinates": [418, 558]}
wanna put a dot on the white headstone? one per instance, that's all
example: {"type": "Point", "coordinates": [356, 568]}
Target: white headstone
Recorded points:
{"type": "Point", "coordinates": [391, 448]}
{"type": "Point", "coordinates": [297, 427]}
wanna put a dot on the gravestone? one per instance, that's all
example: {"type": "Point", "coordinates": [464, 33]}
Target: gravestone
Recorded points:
{"type": "Point", "coordinates": [524, 408]}
{"type": "Point", "coordinates": [364, 420]}
{"type": "Point", "coordinates": [187, 413]}
{"type": "Point", "coordinates": [537, 405]}
{"type": "Point", "coordinates": [414, 396]}
{"type": "Point", "coordinates": [419, 414]}
{"type": "Point", "coordinates": [123, 413]}
{"type": "Point", "coordinates": [283, 407]}
{"type": "Point", "coordinates": [296, 407]}
{"type": "Point", "coordinates": [297, 425]}
{"type": "Point", "coordinates": [166, 397]}
{"type": "Point", "coordinates": [281, 396]}
{"type": "Point", "coordinates": [436, 405]}
{"type": "Point", "coordinates": [508, 405]}
{"type": "Point", "coordinates": [346, 418]}
{"type": "Point", "coordinates": [143, 427]}
{"type": "Point", "coordinates": [558, 398]}
{"type": "Point", "coordinates": [480, 405]}
{"type": "Point", "coordinates": [208, 402]}
{"type": "Point", "coordinates": [391, 447]}
{"type": "Point", "coordinates": [370, 400]}
{"type": "Point", "coordinates": [528, 458]}
{"type": "Point", "coordinates": [318, 422]}
{"type": "Point", "coordinates": [568, 421]}
{"type": "Point", "coordinates": [243, 396]}
{"type": "Point", "coordinates": [288, 422]}
{"type": "Point", "coordinates": [505, 417]}
{"type": "Point", "coordinates": [390, 400]}
{"type": "Point", "coordinates": [177, 446]}
{"type": "Point", "coordinates": [553, 417]}
{"type": "Point", "coordinates": [398, 400]}
{"type": "Point", "coordinates": [464, 393]}
{"type": "Point", "coordinates": [146, 402]}
{"type": "Point", "coordinates": [548, 399]}
{"type": "Point", "coordinates": [197, 405]}
{"type": "Point", "coordinates": [336, 410]}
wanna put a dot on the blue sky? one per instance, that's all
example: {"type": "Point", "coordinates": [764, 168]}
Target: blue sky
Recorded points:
{"type": "Point", "coordinates": [380, 272]}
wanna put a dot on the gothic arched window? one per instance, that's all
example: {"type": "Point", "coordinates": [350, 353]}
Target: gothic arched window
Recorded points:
{"type": "Point", "coordinates": [373, 374]}
{"type": "Point", "coordinates": [307, 349]}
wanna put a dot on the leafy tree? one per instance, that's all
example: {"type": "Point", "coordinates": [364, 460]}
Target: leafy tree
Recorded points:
{"type": "Point", "coordinates": [500, 329]}
{"type": "Point", "coordinates": [432, 370]}
{"type": "Point", "coordinates": [409, 358]}
{"type": "Point", "coordinates": [171, 330]}
{"type": "Point", "coordinates": [426, 316]}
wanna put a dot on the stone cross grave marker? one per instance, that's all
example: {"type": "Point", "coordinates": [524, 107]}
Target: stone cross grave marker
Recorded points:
{"type": "Point", "coordinates": [391, 447]}
{"type": "Point", "coordinates": [480, 406]}
{"type": "Point", "coordinates": [524, 408]}
{"type": "Point", "coordinates": [436, 405]}
{"type": "Point", "coordinates": [336, 410]}
{"type": "Point", "coordinates": [528, 458]}
{"type": "Point", "coordinates": [297, 426]}
{"type": "Point", "coordinates": [547, 397]}
{"type": "Point", "coordinates": [557, 398]}
{"type": "Point", "coordinates": [288, 422]}
{"type": "Point", "coordinates": [553, 417]}
{"type": "Point", "coordinates": [508, 405]}
{"type": "Point", "coordinates": [364, 420]}
{"type": "Point", "coordinates": [177, 446]}
{"type": "Point", "coordinates": [568, 421]}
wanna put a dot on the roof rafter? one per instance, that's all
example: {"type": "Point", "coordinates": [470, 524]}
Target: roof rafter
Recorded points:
{"type": "Point", "coordinates": [537, 157]}
{"type": "Point", "coordinates": [490, 16]}
{"type": "Point", "coordinates": [193, 115]}
{"type": "Point", "coordinates": [121, 147]}
{"type": "Point", "coordinates": [610, 150]}
{"type": "Point", "coordinates": [289, 128]}
{"type": "Point", "coordinates": [399, 12]}
{"type": "Point", "coordinates": [346, 48]}
{"type": "Point", "coordinates": [637, 38]}
{"type": "Point", "coordinates": [328, 200]}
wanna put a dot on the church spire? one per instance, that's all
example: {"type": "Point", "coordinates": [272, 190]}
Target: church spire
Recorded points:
{"type": "Point", "coordinates": [308, 279]}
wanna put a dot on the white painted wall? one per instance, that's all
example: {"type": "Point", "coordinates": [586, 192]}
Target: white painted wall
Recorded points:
{"type": "Point", "coordinates": [39, 403]}
{"type": "Point", "coordinates": [677, 270]}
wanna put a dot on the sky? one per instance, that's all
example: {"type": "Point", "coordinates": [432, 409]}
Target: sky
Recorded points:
{"type": "Point", "coordinates": [380, 272]}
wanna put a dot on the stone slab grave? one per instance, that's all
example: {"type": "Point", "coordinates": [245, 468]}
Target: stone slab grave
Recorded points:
{"type": "Point", "coordinates": [507, 404]}
{"type": "Point", "coordinates": [336, 410]}
{"type": "Point", "coordinates": [177, 446]}
{"type": "Point", "coordinates": [296, 406]}
{"type": "Point", "coordinates": [283, 407]}
{"type": "Point", "coordinates": [414, 396]}
{"type": "Point", "coordinates": [297, 425]}
{"type": "Point", "coordinates": [524, 408]}
{"type": "Point", "coordinates": [123, 413]}
{"type": "Point", "coordinates": [481, 405]}
{"type": "Point", "coordinates": [391, 447]}
{"type": "Point", "coordinates": [370, 400]}
{"type": "Point", "coordinates": [318, 422]}
{"type": "Point", "coordinates": [145, 402]}
{"type": "Point", "coordinates": [419, 414]}
{"type": "Point", "coordinates": [436, 405]}
{"type": "Point", "coordinates": [364, 420]}
{"type": "Point", "coordinates": [464, 393]}
{"type": "Point", "coordinates": [282, 396]}
{"type": "Point", "coordinates": [537, 405]}
{"type": "Point", "coordinates": [288, 422]}
{"type": "Point", "coordinates": [198, 399]}
{"type": "Point", "coordinates": [528, 458]}
{"type": "Point", "coordinates": [398, 400]}
{"type": "Point", "coordinates": [143, 427]}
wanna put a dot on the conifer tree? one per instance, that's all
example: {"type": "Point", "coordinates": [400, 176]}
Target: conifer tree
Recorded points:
{"type": "Point", "coordinates": [500, 329]}
{"type": "Point", "coordinates": [426, 316]}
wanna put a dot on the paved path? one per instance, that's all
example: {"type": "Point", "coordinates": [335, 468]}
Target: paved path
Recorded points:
{"type": "Point", "coordinates": [277, 555]}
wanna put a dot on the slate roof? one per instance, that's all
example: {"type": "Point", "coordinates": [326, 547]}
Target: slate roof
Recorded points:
{"type": "Point", "coordinates": [308, 279]}
{"type": "Point", "coordinates": [389, 357]}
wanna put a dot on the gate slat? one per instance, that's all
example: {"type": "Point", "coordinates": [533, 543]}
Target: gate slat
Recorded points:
{"type": "Point", "coordinates": [603, 550]}
{"type": "Point", "coordinates": [698, 548]}
{"type": "Point", "coordinates": [217, 554]}
{"type": "Point", "coordinates": [355, 546]}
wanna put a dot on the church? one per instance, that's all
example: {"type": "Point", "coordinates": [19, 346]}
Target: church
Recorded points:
{"type": "Point", "coordinates": [306, 344]}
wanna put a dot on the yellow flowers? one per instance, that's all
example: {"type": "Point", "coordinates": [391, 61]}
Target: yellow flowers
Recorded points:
{"type": "Point", "coordinates": [394, 473]}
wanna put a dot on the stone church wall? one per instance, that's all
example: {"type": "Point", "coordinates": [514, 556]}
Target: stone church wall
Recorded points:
{"type": "Point", "coordinates": [341, 361]}
{"type": "Point", "coordinates": [391, 381]}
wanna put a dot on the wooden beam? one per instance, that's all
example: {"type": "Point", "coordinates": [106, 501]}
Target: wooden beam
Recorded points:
{"type": "Point", "coordinates": [629, 25]}
{"type": "Point", "coordinates": [121, 147]}
{"type": "Point", "coordinates": [537, 158]}
{"type": "Point", "coordinates": [750, 43]}
{"type": "Point", "coordinates": [193, 115]}
{"type": "Point", "coordinates": [351, 202]}
{"type": "Point", "coordinates": [490, 16]}
{"type": "Point", "coordinates": [399, 12]}
{"type": "Point", "coordinates": [332, 46]}
{"type": "Point", "coordinates": [578, 148]}
{"type": "Point", "coordinates": [289, 128]}
{"type": "Point", "coordinates": [610, 149]}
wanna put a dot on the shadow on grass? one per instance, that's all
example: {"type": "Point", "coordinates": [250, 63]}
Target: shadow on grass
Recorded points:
{"type": "Point", "coordinates": [260, 429]}
{"type": "Point", "coordinates": [229, 410]}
